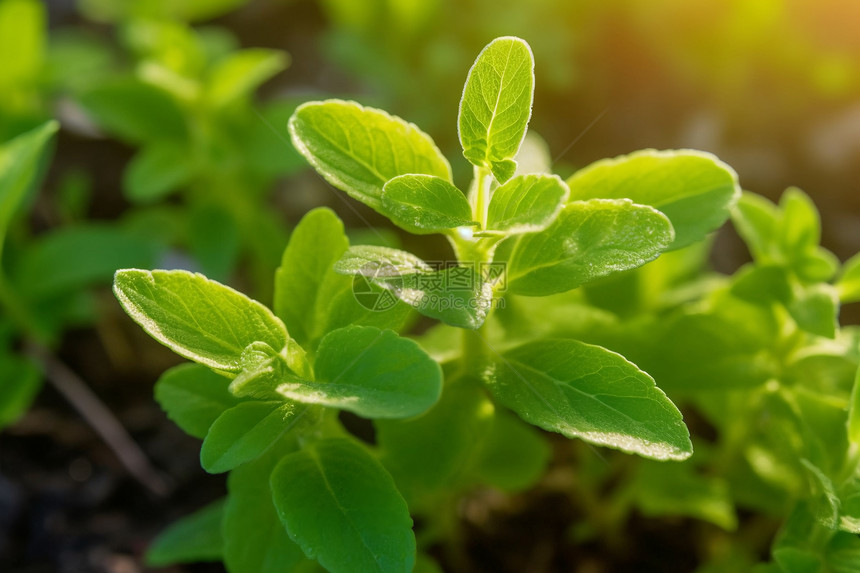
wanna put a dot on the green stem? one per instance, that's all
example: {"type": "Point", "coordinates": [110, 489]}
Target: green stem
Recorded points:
{"type": "Point", "coordinates": [483, 180]}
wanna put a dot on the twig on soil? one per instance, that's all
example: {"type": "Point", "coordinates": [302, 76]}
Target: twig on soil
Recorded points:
{"type": "Point", "coordinates": [100, 418]}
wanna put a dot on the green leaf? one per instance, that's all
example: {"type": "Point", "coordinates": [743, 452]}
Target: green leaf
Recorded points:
{"type": "Point", "coordinates": [79, 256]}
{"type": "Point", "coordinates": [424, 204]}
{"type": "Point", "coordinates": [678, 489]}
{"type": "Point", "coordinates": [379, 262]}
{"type": "Point", "coordinates": [159, 169]}
{"type": "Point", "coordinates": [312, 299]}
{"type": "Point", "coordinates": [263, 369]}
{"type": "Point", "coordinates": [762, 284]}
{"type": "Point", "coordinates": [19, 162]}
{"type": "Point", "coordinates": [20, 381]}
{"type": "Point", "coordinates": [23, 24]}
{"type": "Point", "coordinates": [316, 244]}
{"type": "Point", "coordinates": [135, 111]}
{"type": "Point", "coordinates": [193, 397]}
{"type": "Point", "coordinates": [199, 319]}
{"type": "Point", "coordinates": [186, 10]}
{"type": "Point", "coordinates": [756, 218]}
{"type": "Point", "coordinates": [588, 240]}
{"type": "Point", "coordinates": [854, 411]}
{"type": "Point", "coordinates": [456, 295]}
{"type": "Point", "coordinates": [255, 541]}
{"type": "Point", "coordinates": [358, 149]}
{"type": "Point", "coordinates": [195, 537]}
{"type": "Point", "coordinates": [342, 508]}
{"type": "Point", "coordinates": [373, 373]}
{"type": "Point", "coordinates": [693, 188]}
{"type": "Point", "coordinates": [213, 239]}
{"type": "Point", "coordinates": [816, 309]}
{"type": "Point", "coordinates": [588, 392]}
{"type": "Point", "coordinates": [496, 105]}
{"type": "Point", "coordinates": [428, 455]}
{"type": "Point", "coordinates": [799, 229]}
{"type": "Point", "coordinates": [239, 74]}
{"type": "Point", "coordinates": [244, 432]}
{"type": "Point", "coordinates": [515, 454]}
{"type": "Point", "coordinates": [526, 204]}
{"type": "Point", "coordinates": [848, 284]}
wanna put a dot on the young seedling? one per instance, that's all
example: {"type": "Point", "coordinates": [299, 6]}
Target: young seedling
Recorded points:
{"type": "Point", "coordinates": [267, 386]}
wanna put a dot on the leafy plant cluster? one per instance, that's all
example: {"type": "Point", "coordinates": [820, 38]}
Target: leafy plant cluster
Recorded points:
{"type": "Point", "coordinates": [457, 407]}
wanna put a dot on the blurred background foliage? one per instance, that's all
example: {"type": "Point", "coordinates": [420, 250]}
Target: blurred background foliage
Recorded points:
{"type": "Point", "coordinates": [172, 151]}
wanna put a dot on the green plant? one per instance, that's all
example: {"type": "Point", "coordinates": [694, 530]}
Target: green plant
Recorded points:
{"type": "Point", "coordinates": [267, 386]}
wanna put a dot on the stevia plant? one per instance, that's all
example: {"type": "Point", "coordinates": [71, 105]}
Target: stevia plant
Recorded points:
{"type": "Point", "coordinates": [267, 385]}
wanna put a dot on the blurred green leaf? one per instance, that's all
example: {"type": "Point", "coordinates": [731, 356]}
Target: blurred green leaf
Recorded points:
{"type": "Point", "coordinates": [213, 239]}
{"type": "Point", "coordinates": [816, 309]}
{"type": "Point", "coordinates": [75, 257]}
{"type": "Point", "coordinates": [849, 281]}
{"type": "Point", "coordinates": [19, 162]}
{"type": "Point", "coordinates": [515, 454]}
{"type": "Point", "coordinates": [195, 537]}
{"type": "Point", "coordinates": [20, 381]}
{"type": "Point", "coordinates": [187, 10]}
{"type": "Point", "coordinates": [428, 455]}
{"type": "Point", "coordinates": [238, 75]}
{"type": "Point", "coordinates": [22, 43]}
{"type": "Point", "coordinates": [158, 170]}
{"type": "Point", "coordinates": [133, 110]}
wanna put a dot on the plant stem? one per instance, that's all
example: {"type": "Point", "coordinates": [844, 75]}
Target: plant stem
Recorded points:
{"type": "Point", "coordinates": [483, 180]}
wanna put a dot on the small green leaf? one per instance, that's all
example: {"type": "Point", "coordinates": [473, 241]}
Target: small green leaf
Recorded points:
{"type": "Point", "coordinates": [756, 219]}
{"type": "Point", "coordinates": [379, 262]}
{"type": "Point", "coordinates": [371, 372]}
{"type": "Point", "coordinates": [496, 105]}
{"type": "Point", "coordinates": [244, 432]}
{"type": "Point", "coordinates": [239, 74]}
{"type": "Point", "coordinates": [19, 162]}
{"type": "Point", "coordinates": [115, 105]}
{"type": "Point", "coordinates": [424, 204]}
{"type": "Point", "coordinates": [342, 508]}
{"type": "Point", "coordinates": [854, 411]}
{"type": "Point", "coordinates": [526, 204]}
{"type": "Point", "coordinates": [254, 538]}
{"type": "Point", "coordinates": [816, 309]}
{"type": "Point", "coordinates": [678, 489]}
{"type": "Point", "coordinates": [213, 239]}
{"type": "Point", "coordinates": [20, 381]}
{"type": "Point", "coordinates": [427, 455]}
{"type": "Point", "coordinates": [799, 229]}
{"type": "Point", "coordinates": [263, 369]}
{"type": "Point", "coordinates": [358, 149]}
{"type": "Point", "coordinates": [195, 537]}
{"type": "Point", "coordinates": [74, 257]}
{"type": "Point", "coordinates": [693, 188]}
{"type": "Point", "coordinates": [588, 240]}
{"type": "Point", "coordinates": [762, 284]}
{"type": "Point", "coordinates": [23, 26]}
{"type": "Point", "coordinates": [316, 244]}
{"type": "Point", "coordinates": [159, 169]}
{"type": "Point", "coordinates": [512, 439]}
{"type": "Point", "coordinates": [193, 397]}
{"type": "Point", "coordinates": [588, 392]}
{"type": "Point", "coordinates": [199, 319]}
{"type": "Point", "coordinates": [849, 280]}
